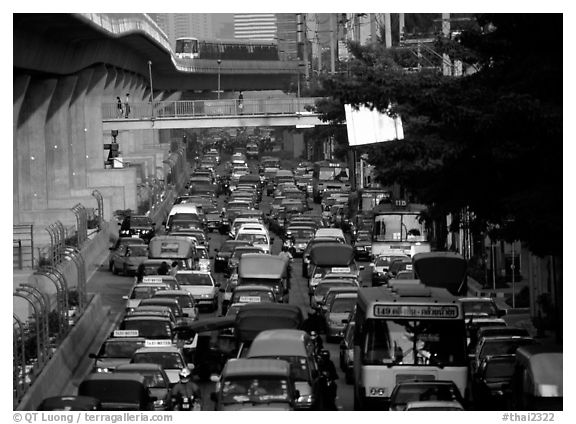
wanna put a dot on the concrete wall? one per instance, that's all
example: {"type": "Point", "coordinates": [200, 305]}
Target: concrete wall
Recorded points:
{"type": "Point", "coordinates": [58, 139]}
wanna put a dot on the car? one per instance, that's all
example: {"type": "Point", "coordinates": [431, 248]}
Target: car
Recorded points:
{"type": "Point", "coordinates": [139, 226]}
{"type": "Point", "coordinates": [431, 405]}
{"type": "Point", "coordinates": [306, 254]}
{"type": "Point", "coordinates": [182, 318]}
{"type": "Point", "coordinates": [232, 266]}
{"type": "Point", "coordinates": [493, 331]}
{"type": "Point", "coordinates": [70, 403]}
{"type": "Point", "coordinates": [255, 384]}
{"type": "Point", "coordinates": [201, 286]}
{"type": "Point", "coordinates": [156, 381]}
{"type": "Point", "coordinates": [251, 293]}
{"type": "Point", "coordinates": [363, 246]}
{"type": "Point", "coordinates": [300, 236]}
{"type": "Point", "coordinates": [118, 391]}
{"type": "Point", "coordinates": [476, 307]}
{"type": "Point", "coordinates": [504, 345]}
{"type": "Point", "coordinates": [418, 390]}
{"type": "Point", "coordinates": [185, 300]}
{"type": "Point", "coordinates": [380, 267]}
{"type": "Point", "coordinates": [127, 258]}
{"type": "Point", "coordinates": [168, 356]}
{"type": "Point", "coordinates": [337, 315]}
{"type": "Point", "coordinates": [116, 350]}
{"type": "Point", "coordinates": [213, 221]}
{"type": "Point", "coordinates": [142, 291]}
{"type": "Point", "coordinates": [490, 381]}
{"type": "Point", "coordinates": [318, 293]}
{"type": "Point", "coordinates": [347, 352]}
{"type": "Point", "coordinates": [149, 327]}
{"type": "Point", "coordinates": [224, 253]}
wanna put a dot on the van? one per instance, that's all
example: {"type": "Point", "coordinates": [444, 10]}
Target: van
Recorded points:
{"type": "Point", "coordinates": [118, 391]}
{"type": "Point", "coordinates": [185, 208]}
{"type": "Point", "coordinates": [270, 270]}
{"type": "Point", "coordinates": [295, 347]}
{"type": "Point", "coordinates": [255, 384]}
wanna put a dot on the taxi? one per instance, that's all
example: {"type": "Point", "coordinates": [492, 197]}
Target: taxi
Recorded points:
{"type": "Point", "coordinates": [201, 286]}
{"type": "Point", "coordinates": [116, 350]}
{"type": "Point", "coordinates": [165, 354]}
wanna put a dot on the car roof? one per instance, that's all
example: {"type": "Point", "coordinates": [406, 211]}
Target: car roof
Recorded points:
{"type": "Point", "coordinates": [145, 366]}
{"type": "Point", "coordinates": [159, 349]}
{"type": "Point", "coordinates": [251, 367]}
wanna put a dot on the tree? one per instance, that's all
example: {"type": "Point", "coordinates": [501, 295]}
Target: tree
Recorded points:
{"type": "Point", "coordinates": [490, 141]}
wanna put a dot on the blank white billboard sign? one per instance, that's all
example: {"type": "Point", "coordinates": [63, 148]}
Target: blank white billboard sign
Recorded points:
{"type": "Point", "coordinates": [367, 126]}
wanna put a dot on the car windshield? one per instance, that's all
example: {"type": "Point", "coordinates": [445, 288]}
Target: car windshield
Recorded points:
{"type": "Point", "coordinates": [503, 347]}
{"type": "Point", "coordinates": [298, 366]}
{"type": "Point", "coordinates": [149, 329]}
{"type": "Point", "coordinates": [140, 222]}
{"type": "Point", "coordinates": [343, 305]}
{"type": "Point", "coordinates": [194, 279]}
{"type": "Point", "coordinates": [305, 234]}
{"type": "Point", "coordinates": [260, 389]}
{"type": "Point", "coordinates": [408, 342]}
{"type": "Point", "coordinates": [143, 292]}
{"type": "Point", "coordinates": [386, 260]}
{"type": "Point", "coordinates": [323, 288]}
{"type": "Point", "coordinates": [254, 238]}
{"type": "Point", "coordinates": [499, 370]}
{"type": "Point", "coordinates": [121, 348]}
{"type": "Point", "coordinates": [239, 252]}
{"type": "Point", "coordinates": [168, 360]}
{"type": "Point", "coordinates": [137, 250]}
{"type": "Point", "coordinates": [425, 392]}
{"type": "Point", "coordinates": [481, 307]}
{"type": "Point", "coordinates": [153, 379]}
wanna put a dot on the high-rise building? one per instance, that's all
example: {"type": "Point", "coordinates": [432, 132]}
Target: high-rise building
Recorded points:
{"type": "Point", "coordinates": [255, 26]}
{"type": "Point", "coordinates": [176, 25]}
{"type": "Point", "coordinates": [287, 33]}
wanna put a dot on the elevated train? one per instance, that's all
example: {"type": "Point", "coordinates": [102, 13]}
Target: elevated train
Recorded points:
{"type": "Point", "coordinates": [237, 49]}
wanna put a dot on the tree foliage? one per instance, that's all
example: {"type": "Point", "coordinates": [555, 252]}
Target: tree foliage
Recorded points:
{"type": "Point", "coordinates": [491, 140]}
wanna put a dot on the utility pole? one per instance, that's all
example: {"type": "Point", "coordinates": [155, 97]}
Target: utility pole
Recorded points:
{"type": "Point", "coordinates": [373, 30]}
{"type": "Point", "coordinates": [333, 35]}
{"type": "Point", "coordinates": [401, 25]}
{"type": "Point", "coordinates": [388, 30]}
{"type": "Point", "coordinates": [446, 64]}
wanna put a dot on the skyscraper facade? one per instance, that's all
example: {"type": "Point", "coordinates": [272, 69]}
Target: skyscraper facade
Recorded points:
{"type": "Point", "coordinates": [255, 26]}
{"type": "Point", "coordinates": [287, 35]}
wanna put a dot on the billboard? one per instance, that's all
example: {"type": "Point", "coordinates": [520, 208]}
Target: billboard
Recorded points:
{"type": "Point", "coordinates": [365, 126]}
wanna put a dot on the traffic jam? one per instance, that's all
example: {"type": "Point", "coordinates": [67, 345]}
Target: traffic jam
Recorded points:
{"type": "Point", "coordinates": [272, 286]}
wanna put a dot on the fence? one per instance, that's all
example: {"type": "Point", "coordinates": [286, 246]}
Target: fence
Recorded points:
{"type": "Point", "coordinates": [203, 108]}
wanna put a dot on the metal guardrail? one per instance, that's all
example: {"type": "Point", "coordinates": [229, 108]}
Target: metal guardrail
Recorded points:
{"type": "Point", "coordinates": [204, 108]}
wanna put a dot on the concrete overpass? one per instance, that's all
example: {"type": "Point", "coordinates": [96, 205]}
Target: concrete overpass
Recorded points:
{"type": "Point", "coordinates": [66, 67]}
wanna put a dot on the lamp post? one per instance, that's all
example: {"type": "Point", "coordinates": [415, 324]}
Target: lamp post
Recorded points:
{"type": "Point", "coordinates": [219, 62]}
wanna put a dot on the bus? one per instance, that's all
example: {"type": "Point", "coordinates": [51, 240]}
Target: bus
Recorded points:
{"type": "Point", "coordinates": [187, 48]}
{"type": "Point", "coordinates": [397, 230]}
{"type": "Point", "coordinates": [403, 332]}
{"type": "Point", "coordinates": [331, 176]}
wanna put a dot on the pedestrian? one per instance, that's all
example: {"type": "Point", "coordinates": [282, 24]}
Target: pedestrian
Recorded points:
{"type": "Point", "coordinates": [240, 102]}
{"type": "Point", "coordinates": [119, 108]}
{"type": "Point", "coordinates": [127, 105]}
{"type": "Point", "coordinates": [140, 273]}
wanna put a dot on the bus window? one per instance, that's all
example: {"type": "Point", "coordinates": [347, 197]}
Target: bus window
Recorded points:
{"type": "Point", "coordinates": [406, 342]}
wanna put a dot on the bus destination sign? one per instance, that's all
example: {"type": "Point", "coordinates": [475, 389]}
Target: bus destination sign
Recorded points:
{"type": "Point", "coordinates": [416, 311]}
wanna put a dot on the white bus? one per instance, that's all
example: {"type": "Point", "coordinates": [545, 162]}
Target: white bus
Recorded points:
{"type": "Point", "coordinates": [405, 332]}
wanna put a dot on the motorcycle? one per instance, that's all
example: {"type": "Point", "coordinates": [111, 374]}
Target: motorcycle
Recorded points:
{"type": "Point", "coordinates": [328, 392]}
{"type": "Point", "coordinates": [187, 403]}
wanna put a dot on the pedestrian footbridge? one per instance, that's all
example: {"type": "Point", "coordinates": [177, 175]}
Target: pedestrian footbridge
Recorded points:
{"type": "Point", "coordinates": [226, 113]}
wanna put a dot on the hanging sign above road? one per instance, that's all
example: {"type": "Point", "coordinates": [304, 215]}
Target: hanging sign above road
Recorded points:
{"type": "Point", "coordinates": [365, 126]}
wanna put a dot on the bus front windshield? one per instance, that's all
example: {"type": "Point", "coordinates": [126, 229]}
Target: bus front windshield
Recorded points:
{"type": "Point", "coordinates": [399, 227]}
{"type": "Point", "coordinates": [410, 342]}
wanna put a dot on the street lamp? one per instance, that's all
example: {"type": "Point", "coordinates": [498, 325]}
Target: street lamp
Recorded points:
{"type": "Point", "coordinates": [151, 88]}
{"type": "Point", "coordinates": [219, 62]}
